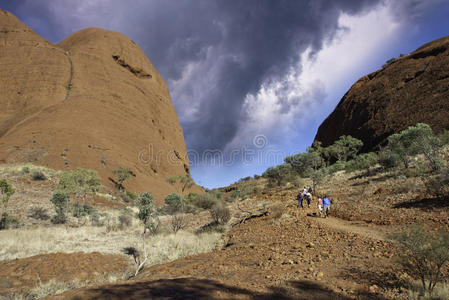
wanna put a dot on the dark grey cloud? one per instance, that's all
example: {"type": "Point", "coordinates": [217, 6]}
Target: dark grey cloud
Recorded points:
{"type": "Point", "coordinates": [212, 53]}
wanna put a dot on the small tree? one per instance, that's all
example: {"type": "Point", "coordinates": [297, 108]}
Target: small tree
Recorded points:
{"type": "Point", "coordinates": [305, 163]}
{"type": "Point", "coordinates": [60, 200]}
{"type": "Point", "coordinates": [185, 181]}
{"type": "Point", "coordinates": [175, 202]}
{"type": "Point", "coordinates": [345, 147]}
{"type": "Point", "coordinates": [415, 140]}
{"type": "Point", "coordinates": [362, 162]}
{"type": "Point", "coordinates": [6, 191]}
{"type": "Point", "coordinates": [147, 211]}
{"type": "Point", "coordinates": [80, 182]}
{"type": "Point", "coordinates": [423, 254]}
{"type": "Point", "coordinates": [220, 213]}
{"type": "Point", "coordinates": [278, 174]}
{"type": "Point", "coordinates": [122, 174]}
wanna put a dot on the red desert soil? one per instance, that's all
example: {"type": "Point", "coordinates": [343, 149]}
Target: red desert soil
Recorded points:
{"type": "Point", "coordinates": [18, 275]}
{"type": "Point", "coordinates": [93, 101]}
{"type": "Point", "coordinates": [292, 254]}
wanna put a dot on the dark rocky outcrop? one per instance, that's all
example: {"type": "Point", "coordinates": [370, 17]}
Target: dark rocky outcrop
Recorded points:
{"type": "Point", "coordinates": [411, 89]}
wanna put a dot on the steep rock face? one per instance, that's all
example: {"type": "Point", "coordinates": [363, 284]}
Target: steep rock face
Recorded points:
{"type": "Point", "coordinates": [92, 101]}
{"type": "Point", "coordinates": [414, 88]}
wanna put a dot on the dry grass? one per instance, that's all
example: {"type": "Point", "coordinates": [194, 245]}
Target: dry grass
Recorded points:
{"type": "Point", "coordinates": [441, 292]}
{"type": "Point", "coordinates": [21, 243]}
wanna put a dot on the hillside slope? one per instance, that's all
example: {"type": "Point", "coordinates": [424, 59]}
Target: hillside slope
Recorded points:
{"type": "Point", "coordinates": [413, 88]}
{"type": "Point", "coordinates": [93, 101]}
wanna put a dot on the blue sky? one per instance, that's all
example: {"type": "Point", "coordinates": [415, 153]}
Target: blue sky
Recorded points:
{"type": "Point", "coordinates": [251, 80]}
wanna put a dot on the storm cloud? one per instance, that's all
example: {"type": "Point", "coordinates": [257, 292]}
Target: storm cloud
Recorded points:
{"type": "Point", "coordinates": [217, 56]}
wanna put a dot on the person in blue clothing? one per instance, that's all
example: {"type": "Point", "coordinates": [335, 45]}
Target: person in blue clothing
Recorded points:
{"type": "Point", "coordinates": [300, 198]}
{"type": "Point", "coordinates": [326, 206]}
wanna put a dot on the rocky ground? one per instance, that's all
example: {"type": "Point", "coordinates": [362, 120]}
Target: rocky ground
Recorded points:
{"type": "Point", "coordinates": [279, 251]}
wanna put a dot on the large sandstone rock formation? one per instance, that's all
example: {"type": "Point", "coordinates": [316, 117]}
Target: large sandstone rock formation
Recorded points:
{"type": "Point", "coordinates": [93, 101]}
{"type": "Point", "coordinates": [414, 88]}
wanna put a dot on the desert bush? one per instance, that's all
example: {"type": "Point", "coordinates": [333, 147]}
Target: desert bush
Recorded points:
{"type": "Point", "coordinates": [147, 212]}
{"type": "Point", "coordinates": [184, 182]}
{"type": "Point", "coordinates": [81, 210]}
{"type": "Point", "coordinates": [175, 203]}
{"type": "Point", "coordinates": [6, 191]}
{"type": "Point", "coordinates": [415, 140]}
{"type": "Point", "coordinates": [304, 163]}
{"type": "Point", "coordinates": [279, 174]}
{"type": "Point", "coordinates": [345, 147]}
{"type": "Point", "coordinates": [211, 227]}
{"type": "Point", "coordinates": [125, 218]}
{"type": "Point", "coordinates": [444, 137]}
{"type": "Point", "coordinates": [220, 213]}
{"type": "Point", "coordinates": [122, 175]}
{"type": "Point", "coordinates": [337, 166]}
{"type": "Point", "coordinates": [389, 160]}
{"type": "Point", "coordinates": [25, 170]}
{"type": "Point", "coordinates": [38, 175]}
{"type": "Point", "coordinates": [423, 254]}
{"type": "Point", "coordinates": [178, 222]}
{"type": "Point", "coordinates": [439, 184]}
{"type": "Point", "coordinates": [39, 213]}
{"type": "Point", "coordinates": [203, 201]}
{"type": "Point", "coordinates": [8, 222]}
{"type": "Point", "coordinates": [97, 219]}
{"type": "Point", "coordinates": [80, 182]}
{"type": "Point", "coordinates": [362, 162]}
{"type": "Point", "coordinates": [60, 201]}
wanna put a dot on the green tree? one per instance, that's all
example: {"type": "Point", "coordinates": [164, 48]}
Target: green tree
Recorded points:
{"type": "Point", "coordinates": [415, 140]}
{"type": "Point", "coordinates": [362, 162]}
{"type": "Point", "coordinates": [185, 181]}
{"type": "Point", "coordinates": [80, 182]}
{"type": "Point", "coordinates": [278, 173]}
{"type": "Point", "coordinates": [175, 202]}
{"type": "Point", "coordinates": [147, 211]}
{"type": "Point", "coordinates": [6, 191]}
{"type": "Point", "coordinates": [423, 254]}
{"type": "Point", "coordinates": [60, 200]}
{"type": "Point", "coordinates": [345, 147]}
{"type": "Point", "coordinates": [305, 163]}
{"type": "Point", "coordinates": [122, 174]}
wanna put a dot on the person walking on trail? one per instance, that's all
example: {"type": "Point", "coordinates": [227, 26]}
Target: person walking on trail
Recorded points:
{"type": "Point", "coordinates": [309, 199]}
{"type": "Point", "coordinates": [319, 204]}
{"type": "Point", "coordinates": [300, 198]}
{"type": "Point", "coordinates": [326, 206]}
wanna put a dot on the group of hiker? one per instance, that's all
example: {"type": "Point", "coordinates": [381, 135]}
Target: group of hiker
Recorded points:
{"type": "Point", "coordinates": [323, 203]}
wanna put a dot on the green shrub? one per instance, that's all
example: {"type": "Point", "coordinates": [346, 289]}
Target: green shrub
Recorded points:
{"type": "Point", "coordinates": [80, 182]}
{"type": "Point", "coordinates": [423, 254]}
{"type": "Point", "coordinates": [220, 213]}
{"type": "Point", "coordinates": [175, 203]}
{"type": "Point", "coordinates": [279, 174]}
{"type": "Point", "coordinates": [39, 213]}
{"type": "Point", "coordinates": [184, 181]}
{"type": "Point", "coordinates": [26, 170]}
{"type": "Point", "coordinates": [147, 211]}
{"type": "Point", "coordinates": [6, 191]}
{"type": "Point", "coordinates": [60, 201]}
{"type": "Point", "coordinates": [122, 174]}
{"type": "Point", "coordinates": [81, 210]}
{"type": "Point", "coordinates": [362, 162]}
{"type": "Point", "coordinates": [444, 137]}
{"type": "Point", "coordinates": [439, 185]}
{"type": "Point", "coordinates": [345, 147]}
{"type": "Point", "coordinates": [8, 222]}
{"type": "Point", "coordinates": [389, 160]}
{"type": "Point", "coordinates": [337, 166]}
{"type": "Point", "coordinates": [38, 175]}
{"type": "Point", "coordinates": [203, 201]}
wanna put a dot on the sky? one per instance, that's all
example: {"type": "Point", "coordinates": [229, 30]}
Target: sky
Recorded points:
{"type": "Point", "coordinates": [251, 80]}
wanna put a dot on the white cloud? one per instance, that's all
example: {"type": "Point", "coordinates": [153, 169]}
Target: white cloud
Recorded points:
{"type": "Point", "coordinates": [281, 109]}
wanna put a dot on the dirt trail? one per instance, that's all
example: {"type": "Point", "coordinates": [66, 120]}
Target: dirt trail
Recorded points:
{"type": "Point", "coordinates": [357, 227]}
